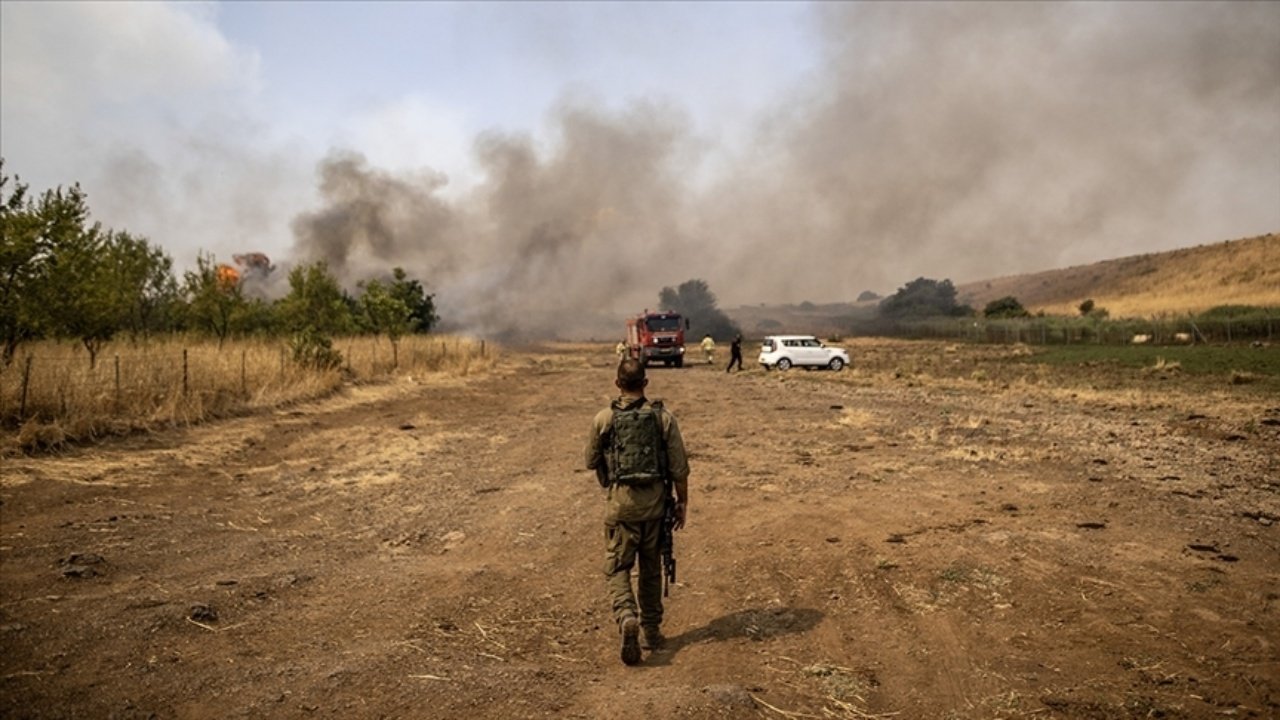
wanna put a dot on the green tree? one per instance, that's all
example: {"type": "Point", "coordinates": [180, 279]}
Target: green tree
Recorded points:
{"type": "Point", "coordinates": [422, 308]}
{"type": "Point", "coordinates": [315, 301]}
{"type": "Point", "coordinates": [90, 298]}
{"type": "Point", "coordinates": [1005, 307]}
{"type": "Point", "coordinates": [694, 300]}
{"type": "Point", "coordinates": [212, 305]}
{"type": "Point", "coordinates": [1086, 307]}
{"type": "Point", "coordinates": [923, 298]}
{"type": "Point", "coordinates": [385, 314]}
{"type": "Point", "coordinates": [144, 276]}
{"type": "Point", "coordinates": [24, 251]}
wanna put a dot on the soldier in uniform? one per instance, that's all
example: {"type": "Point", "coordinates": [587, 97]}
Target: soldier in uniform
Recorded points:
{"type": "Point", "coordinates": [735, 354]}
{"type": "Point", "coordinates": [636, 449]}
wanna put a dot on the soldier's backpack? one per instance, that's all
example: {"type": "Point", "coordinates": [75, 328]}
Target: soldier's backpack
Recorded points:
{"type": "Point", "coordinates": [637, 455]}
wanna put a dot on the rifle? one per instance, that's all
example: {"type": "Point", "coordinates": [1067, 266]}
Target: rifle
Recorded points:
{"type": "Point", "coordinates": [666, 541]}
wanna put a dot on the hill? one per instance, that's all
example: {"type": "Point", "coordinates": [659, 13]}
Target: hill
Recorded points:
{"type": "Point", "coordinates": [1176, 282]}
{"type": "Point", "coordinates": [1189, 280]}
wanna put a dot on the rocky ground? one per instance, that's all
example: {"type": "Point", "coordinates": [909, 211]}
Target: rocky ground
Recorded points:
{"type": "Point", "coordinates": [937, 532]}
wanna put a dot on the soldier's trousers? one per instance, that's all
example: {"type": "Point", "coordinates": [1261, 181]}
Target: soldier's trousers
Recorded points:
{"type": "Point", "coordinates": [625, 542]}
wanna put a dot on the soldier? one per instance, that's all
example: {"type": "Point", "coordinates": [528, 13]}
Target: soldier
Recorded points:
{"type": "Point", "coordinates": [735, 354]}
{"type": "Point", "coordinates": [637, 452]}
{"type": "Point", "coordinates": [709, 348]}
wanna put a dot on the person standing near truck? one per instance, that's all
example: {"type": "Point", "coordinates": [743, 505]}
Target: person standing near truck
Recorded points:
{"type": "Point", "coordinates": [735, 354]}
{"type": "Point", "coordinates": [709, 348]}
{"type": "Point", "coordinates": [638, 454]}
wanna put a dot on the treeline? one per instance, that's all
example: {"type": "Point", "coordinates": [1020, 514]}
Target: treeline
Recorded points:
{"type": "Point", "coordinates": [64, 277]}
{"type": "Point", "coordinates": [929, 308]}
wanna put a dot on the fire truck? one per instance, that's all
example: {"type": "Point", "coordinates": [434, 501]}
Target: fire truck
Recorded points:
{"type": "Point", "coordinates": [654, 336]}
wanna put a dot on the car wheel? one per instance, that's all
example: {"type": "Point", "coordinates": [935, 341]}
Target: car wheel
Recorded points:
{"type": "Point", "coordinates": [679, 362]}
{"type": "Point", "coordinates": [784, 364]}
{"type": "Point", "coordinates": [836, 364]}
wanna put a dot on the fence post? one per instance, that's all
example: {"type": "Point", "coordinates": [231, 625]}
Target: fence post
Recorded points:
{"type": "Point", "coordinates": [244, 386]}
{"type": "Point", "coordinates": [117, 384]}
{"type": "Point", "coordinates": [184, 372]}
{"type": "Point", "coordinates": [481, 348]}
{"type": "Point", "coordinates": [26, 379]}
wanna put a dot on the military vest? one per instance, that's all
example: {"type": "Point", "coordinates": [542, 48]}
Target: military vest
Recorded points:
{"type": "Point", "coordinates": [637, 453]}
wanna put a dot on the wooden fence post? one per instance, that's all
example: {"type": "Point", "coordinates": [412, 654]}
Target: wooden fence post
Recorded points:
{"type": "Point", "coordinates": [26, 379]}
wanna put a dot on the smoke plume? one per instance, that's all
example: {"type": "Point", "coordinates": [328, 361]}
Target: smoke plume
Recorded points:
{"type": "Point", "coordinates": [955, 141]}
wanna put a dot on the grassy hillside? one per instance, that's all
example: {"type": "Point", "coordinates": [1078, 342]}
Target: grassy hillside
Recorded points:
{"type": "Point", "coordinates": [1190, 280]}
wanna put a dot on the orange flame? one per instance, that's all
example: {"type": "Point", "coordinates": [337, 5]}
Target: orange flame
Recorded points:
{"type": "Point", "coordinates": [228, 278]}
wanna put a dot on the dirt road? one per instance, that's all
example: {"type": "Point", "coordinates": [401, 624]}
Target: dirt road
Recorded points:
{"type": "Point", "coordinates": [882, 542]}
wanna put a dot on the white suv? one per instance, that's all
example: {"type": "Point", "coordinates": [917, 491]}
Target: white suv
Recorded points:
{"type": "Point", "coordinates": [783, 351]}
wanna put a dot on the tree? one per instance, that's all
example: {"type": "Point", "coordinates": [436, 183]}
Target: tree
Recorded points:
{"type": "Point", "coordinates": [1005, 307]}
{"type": "Point", "coordinates": [867, 296]}
{"type": "Point", "coordinates": [23, 261]}
{"type": "Point", "coordinates": [422, 308]}
{"type": "Point", "coordinates": [89, 300]}
{"type": "Point", "coordinates": [383, 313]}
{"type": "Point", "coordinates": [694, 300]}
{"type": "Point", "coordinates": [1086, 307]}
{"type": "Point", "coordinates": [923, 298]}
{"type": "Point", "coordinates": [145, 277]}
{"type": "Point", "coordinates": [316, 301]}
{"type": "Point", "coordinates": [211, 304]}
{"type": "Point", "coordinates": [78, 288]}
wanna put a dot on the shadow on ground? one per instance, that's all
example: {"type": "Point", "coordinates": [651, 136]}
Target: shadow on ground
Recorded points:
{"type": "Point", "coordinates": [754, 624]}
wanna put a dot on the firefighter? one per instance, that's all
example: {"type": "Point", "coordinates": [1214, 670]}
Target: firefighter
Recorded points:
{"type": "Point", "coordinates": [709, 349]}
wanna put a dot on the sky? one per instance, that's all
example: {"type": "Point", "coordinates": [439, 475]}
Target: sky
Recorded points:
{"type": "Point", "coordinates": [535, 162]}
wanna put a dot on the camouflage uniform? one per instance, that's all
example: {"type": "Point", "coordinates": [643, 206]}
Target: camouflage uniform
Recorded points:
{"type": "Point", "coordinates": [633, 518]}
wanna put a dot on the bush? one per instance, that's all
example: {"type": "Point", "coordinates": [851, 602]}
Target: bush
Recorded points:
{"type": "Point", "coordinates": [313, 350]}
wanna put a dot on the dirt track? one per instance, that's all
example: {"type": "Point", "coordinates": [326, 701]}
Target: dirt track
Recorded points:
{"type": "Point", "coordinates": [875, 543]}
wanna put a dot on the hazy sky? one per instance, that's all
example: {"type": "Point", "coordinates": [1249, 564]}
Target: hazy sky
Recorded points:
{"type": "Point", "coordinates": [782, 152]}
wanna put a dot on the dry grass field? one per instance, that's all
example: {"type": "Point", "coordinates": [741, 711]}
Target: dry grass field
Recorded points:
{"type": "Point", "coordinates": [50, 395]}
{"type": "Point", "coordinates": [1189, 280]}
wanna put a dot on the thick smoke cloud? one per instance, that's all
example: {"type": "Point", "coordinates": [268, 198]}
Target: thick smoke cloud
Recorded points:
{"type": "Point", "coordinates": [953, 140]}
{"type": "Point", "coordinates": [539, 247]}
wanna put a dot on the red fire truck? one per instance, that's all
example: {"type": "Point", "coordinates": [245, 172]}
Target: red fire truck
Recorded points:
{"type": "Point", "coordinates": [653, 336]}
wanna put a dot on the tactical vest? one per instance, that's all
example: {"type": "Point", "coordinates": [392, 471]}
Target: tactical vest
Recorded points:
{"type": "Point", "coordinates": [637, 453]}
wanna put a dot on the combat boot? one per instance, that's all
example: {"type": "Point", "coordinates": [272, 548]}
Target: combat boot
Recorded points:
{"type": "Point", "coordinates": [651, 638]}
{"type": "Point", "coordinates": [630, 640]}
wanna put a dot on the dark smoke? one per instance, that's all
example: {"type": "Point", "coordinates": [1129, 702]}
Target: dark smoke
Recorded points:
{"type": "Point", "coordinates": [540, 246]}
{"type": "Point", "coordinates": [957, 140]}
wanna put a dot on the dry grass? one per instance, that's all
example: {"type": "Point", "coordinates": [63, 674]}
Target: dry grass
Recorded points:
{"type": "Point", "coordinates": [1190, 280]}
{"type": "Point", "coordinates": [50, 395]}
